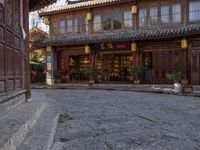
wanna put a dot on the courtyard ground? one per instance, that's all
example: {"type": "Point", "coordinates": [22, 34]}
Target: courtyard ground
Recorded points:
{"type": "Point", "coordinates": [122, 120]}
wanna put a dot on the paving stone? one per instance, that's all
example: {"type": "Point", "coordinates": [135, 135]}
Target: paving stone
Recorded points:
{"type": "Point", "coordinates": [124, 120]}
{"type": "Point", "coordinates": [17, 123]}
{"type": "Point", "coordinates": [41, 135]}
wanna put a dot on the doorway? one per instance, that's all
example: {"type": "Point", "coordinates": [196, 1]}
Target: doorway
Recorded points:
{"type": "Point", "coordinates": [148, 67]}
{"type": "Point", "coordinates": [195, 67]}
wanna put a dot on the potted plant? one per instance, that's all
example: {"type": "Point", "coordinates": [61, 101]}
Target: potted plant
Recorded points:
{"type": "Point", "coordinates": [64, 76]}
{"type": "Point", "coordinates": [135, 72]}
{"type": "Point", "coordinates": [182, 68]}
{"type": "Point", "coordinates": [176, 78]}
{"type": "Point", "coordinates": [57, 76]}
{"type": "Point", "coordinates": [106, 73]}
{"type": "Point", "coordinates": [90, 74]}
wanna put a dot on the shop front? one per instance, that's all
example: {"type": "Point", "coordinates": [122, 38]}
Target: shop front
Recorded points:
{"type": "Point", "coordinates": [112, 62]}
{"type": "Point", "coordinates": [160, 58]}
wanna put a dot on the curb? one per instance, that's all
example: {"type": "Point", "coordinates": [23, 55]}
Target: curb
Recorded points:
{"type": "Point", "coordinates": [117, 89]}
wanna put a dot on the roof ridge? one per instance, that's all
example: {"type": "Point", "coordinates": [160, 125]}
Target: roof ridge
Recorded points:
{"type": "Point", "coordinates": [66, 6]}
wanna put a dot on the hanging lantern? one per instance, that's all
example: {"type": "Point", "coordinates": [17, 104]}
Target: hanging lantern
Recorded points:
{"type": "Point", "coordinates": [133, 47]}
{"type": "Point", "coordinates": [87, 49]}
{"type": "Point", "coordinates": [184, 43]}
{"type": "Point", "coordinates": [46, 20]}
{"type": "Point", "coordinates": [134, 9]}
{"type": "Point", "coordinates": [89, 16]}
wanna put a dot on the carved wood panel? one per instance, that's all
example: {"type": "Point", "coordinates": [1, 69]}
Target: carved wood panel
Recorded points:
{"type": "Point", "coordinates": [16, 17]}
{"type": "Point", "coordinates": [1, 13]}
{"type": "Point", "coordinates": [10, 46]}
{"type": "Point", "coordinates": [9, 13]}
{"type": "Point", "coordinates": [10, 62]}
{"type": "Point", "coordinates": [2, 61]}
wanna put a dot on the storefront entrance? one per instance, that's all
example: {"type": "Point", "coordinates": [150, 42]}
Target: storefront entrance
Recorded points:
{"type": "Point", "coordinates": [195, 67]}
{"type": "Point", "coordinates": [77, 65]}
{"type": "Point", "coordinates": [113, 67]}
{"type": "Point", "coordinates": [157, 64]}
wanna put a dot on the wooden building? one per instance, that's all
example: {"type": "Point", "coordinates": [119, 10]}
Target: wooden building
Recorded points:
{"type": "Point", "coordinates": [14, 50]}
{"type": "Point", "coordinates": [115, 34]}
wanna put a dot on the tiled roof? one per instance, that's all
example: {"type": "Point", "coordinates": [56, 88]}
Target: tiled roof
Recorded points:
{"type": "Point", "coordinates": [121, 36]}
{"type": "Point", "coordinates": [66, 6]}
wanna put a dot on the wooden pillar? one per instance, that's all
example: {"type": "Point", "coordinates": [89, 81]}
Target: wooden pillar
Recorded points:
{"type": "Point", "coordinates": [134, 58]}
{"type": "Point", "coordinates": [50, 65]}
{"type": "Point", "coordinates": [26, 47]}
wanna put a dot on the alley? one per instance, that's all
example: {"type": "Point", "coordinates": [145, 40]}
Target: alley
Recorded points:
{"type": "Point", "coordinates": [119, 120]}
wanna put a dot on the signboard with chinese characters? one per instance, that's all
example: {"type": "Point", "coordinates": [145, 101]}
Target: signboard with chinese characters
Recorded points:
{"type": "Point", "coordinates": [113, 46]}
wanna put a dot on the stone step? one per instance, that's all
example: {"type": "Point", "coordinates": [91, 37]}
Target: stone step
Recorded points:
{"type": "Point", "coordinates": [15, 124]}
{"type": "Point", "coordinates": [11, 100]}
{"type": "Point", "coordinates": [42, 134]}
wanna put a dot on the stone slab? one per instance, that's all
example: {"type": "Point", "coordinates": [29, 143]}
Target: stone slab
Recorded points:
{"type": "Point", "coordinates": [17, 123]}
{"type": "Point", "coordinates": [42, 134]}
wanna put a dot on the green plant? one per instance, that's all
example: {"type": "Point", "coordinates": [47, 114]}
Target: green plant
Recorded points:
{"type": "Point", "coordinates": [64, 117]}
{"type": "Point", "coordinates": [106, 72]}
{"type": "Point", "coordinates": [182, 68]}
{"type": "Point", "coordinates": [36, 67]}
{"type": "Point", "coordinates": [57, 74]}
{"type": "Point", "coordinates": [135, 71]}
{"type": "Point", "coordinates": [174, 76]}
{"type": "Point", "coordinates": [89, 73]}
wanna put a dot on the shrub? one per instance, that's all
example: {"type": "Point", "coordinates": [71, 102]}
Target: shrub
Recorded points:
{"type": "Point", "coordinates": [57, 74]}
{"type": "Point", "coordinates": [135, 71]}
{"type": "Point", "coordinates": [174, 76]}
{"type": "Point", "coordinates": [89, 73]}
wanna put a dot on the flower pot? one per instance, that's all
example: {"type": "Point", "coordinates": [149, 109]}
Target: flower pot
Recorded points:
{"type": "Point", "coordinates": [187, 89]}
{"type": "Point", "coordinates": [63, 78]}
{"type": "Point", "coordinates": [184, 82]}
{"type": "Point", "coordinates": [136, 81]}
{"type": "Point", "coordinates": [91, 82]}
{"type": "Point", "coordinates": [57, 81]}
{"type": "Point", "coordinates": [178, 88]}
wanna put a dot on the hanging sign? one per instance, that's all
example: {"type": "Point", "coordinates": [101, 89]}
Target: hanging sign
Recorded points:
{"type": "Point", "coordinates": [113, 46]}
{"type": "Point", "coordinates": [2, 2]}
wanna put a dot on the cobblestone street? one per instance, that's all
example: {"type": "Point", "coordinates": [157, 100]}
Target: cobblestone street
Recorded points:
{"type": "Point", "coordinates": [119, 120]}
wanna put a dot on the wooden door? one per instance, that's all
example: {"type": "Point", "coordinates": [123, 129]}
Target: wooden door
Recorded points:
{"type": "Point", "coordinates": [10, 46]}
{"type": "Point", "coordinates": [166, 62]}
{"type": "Point", "coordinates": [195, 67]}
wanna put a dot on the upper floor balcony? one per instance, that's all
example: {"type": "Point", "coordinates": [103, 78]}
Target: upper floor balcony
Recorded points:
{"type": "Point", "coordinates": [146, 15]}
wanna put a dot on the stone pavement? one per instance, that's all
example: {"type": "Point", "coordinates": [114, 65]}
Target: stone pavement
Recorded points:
{"type": "Point", "coordinates": [123, 120]}
{"type": "Point", "coordinates": [145, 88]}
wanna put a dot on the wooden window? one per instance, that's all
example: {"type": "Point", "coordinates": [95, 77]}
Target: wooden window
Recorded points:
{"type": "Point", "coordinates": [97, 23]}
{"type": "Point", "coordinates": [1, 13]}
{"type": "Point", "coordinates": [176, 13]}
{"type": "Point", "coordinates": [107, 19]}
{"type": "Point", "coordinates": [128, 19]}
{"type": "Point", "coordinates": [142, 17]}
{"type": "Point", "coordinates": [84, 25]}
{"type": "Point", "coordinates": [62, 27]}
{"type": "Point", "coordinates": [117, 20]}
{"type": "Point", "coordinates": [164, 14]}
{"type": "Point", "coordinates": [194, 11]}
{"type": "Point", "coordinates": [17, 16]}
{"type": "Point", "coordinates": [153, 16]}
{"type": "Point", "coordinates": [9, 13]}
{"type": "Point", "coordinates": [55, 27]}
{"type": "Point", "coordinates": [69, 26]}
{"type": "Point", "coordinates": [77, 25]}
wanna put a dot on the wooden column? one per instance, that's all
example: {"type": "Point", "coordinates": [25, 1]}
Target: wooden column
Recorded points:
{"type": "Point", "coordinates": [50, 65]}
{"type": "Point", "coordinates": [26, 47]}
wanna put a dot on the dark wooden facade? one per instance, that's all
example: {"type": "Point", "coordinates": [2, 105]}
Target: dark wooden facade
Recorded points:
{"type": "Point", "coordinates": [14, 48]}
{"type": "Point", "coordinates": [158, 28]}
